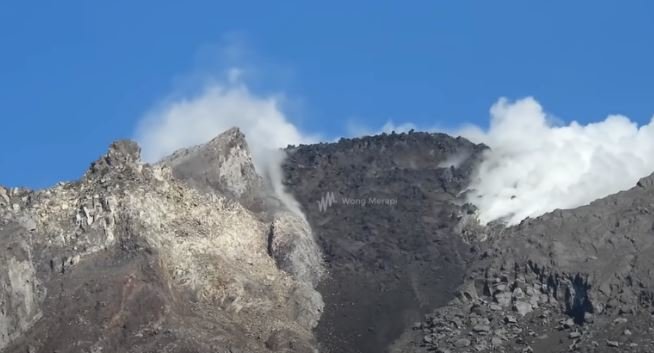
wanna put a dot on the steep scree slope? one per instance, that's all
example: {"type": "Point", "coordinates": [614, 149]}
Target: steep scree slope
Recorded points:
{"type": "Point", "coordinates": [388, 262]}
{"type": "Point", "coordinates": [571, 280]}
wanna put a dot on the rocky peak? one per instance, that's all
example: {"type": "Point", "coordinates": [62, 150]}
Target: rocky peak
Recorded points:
{"type": "Point", "coordinates": [187, 255]}
{"type": "Point", "coordinates": [647, 182]}
{"type": "Point", "coordinates": [123, 156]}
{"type": "Point", "coordinates": [135, 259]}
{"type": "Point", "coordinates": [4, 196]}
{"type": "Point", "coordinates": [233, 137]}
{"type": "Point", "coordinates": [223, 165]}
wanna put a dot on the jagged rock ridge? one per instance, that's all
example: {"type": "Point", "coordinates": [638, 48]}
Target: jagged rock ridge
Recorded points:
{"type": "Point", "coordinates": [196, 254]}
{"type": "Point", "coordinates": [132, 259]}
{"type": "Point", "coordinates": [224, 166]}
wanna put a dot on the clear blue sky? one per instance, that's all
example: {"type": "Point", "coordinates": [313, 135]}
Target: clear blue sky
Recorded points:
{"type": "Point", "coordinates": [75, 75]}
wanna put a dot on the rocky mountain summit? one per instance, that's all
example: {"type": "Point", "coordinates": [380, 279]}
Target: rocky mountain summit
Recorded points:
{"type": "Point", "coordinates": [132, 259]}
{"type": "Point", "coordinates": [388, 262]}
{"type": "Point", "coordinates": [198, 253]}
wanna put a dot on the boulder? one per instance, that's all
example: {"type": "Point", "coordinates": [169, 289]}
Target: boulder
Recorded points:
{"type": "Point", "coordinates": [462, 343]}
{"type": "Point", "coordinates": [523, 308]}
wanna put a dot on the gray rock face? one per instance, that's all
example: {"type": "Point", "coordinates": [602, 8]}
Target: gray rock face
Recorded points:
{"type": "Point", "coordinates": [522, 308]}
{"type": "Point", "coordinates": [4, 197]}
{"type": "Point", "coordinates": [223, 165]}
{"type": "Point", "coordinates": [387, 234]}
{"type": "Point", "coordinates": [292, 245]}
{"type": "Point", "coordinates": [570, 275]}
{"type": "Point", "coordinates": [21, 293]}
{"type": "Point", "coordinates": [195, 254]}
{"type": "Point", "coordinates": [132, 259]}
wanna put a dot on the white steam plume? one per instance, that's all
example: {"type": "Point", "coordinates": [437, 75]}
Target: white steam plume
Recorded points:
{"type": "Point", "coordinates": [221, 106]}
{"type": "Point", "coordinates": [535, 166]}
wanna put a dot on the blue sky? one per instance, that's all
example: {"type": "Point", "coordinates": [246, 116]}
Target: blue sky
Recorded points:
{"type": "Point", "coordinates": [76, 75]}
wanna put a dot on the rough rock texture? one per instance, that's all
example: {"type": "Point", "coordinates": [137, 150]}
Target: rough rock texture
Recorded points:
{"type": "Point", "coordinates": [20, 291]}
{"type": "Point", "coordinates": [571, 280]}
{"type": "Point", "coordinates": [224, 166]}
{"type": "Point", "coordinates": [397, 256]}
{"type": "Point", "coordinates": [195, 254]}
{"type": "Point", "coordinates": [129, 259]}
{"type": "Point", "coordinates": [292, 245]}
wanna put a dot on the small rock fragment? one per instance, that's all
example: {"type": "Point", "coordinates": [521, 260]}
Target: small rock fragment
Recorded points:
{"type": "Point", "coordinates": [462, 342]}
{"type": "Point", "coordinates": [569, 323]}
{"type": "Point", "coordinates": [612, 343]}
{"type": "Point", "coordinates": [482, 329]}
{"type": "Point", "coordinates": [574, 334]}
{"type": "Point", "coordinates": [503, 298]}
{"type": "Point", "coordinates": [522, 308]}
{"type": "Point", "coordinates": [3, 196]}
{"type": "Point", "coordinates": [510, 319]}
{"type": "Point", "coordinates": [496, 341]}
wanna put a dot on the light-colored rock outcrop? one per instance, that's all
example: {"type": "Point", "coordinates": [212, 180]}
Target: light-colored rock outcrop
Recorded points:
{"type": "Point", "coordinates": [20, 291]}
{"type": "Point", "coordinates": [182, 269]}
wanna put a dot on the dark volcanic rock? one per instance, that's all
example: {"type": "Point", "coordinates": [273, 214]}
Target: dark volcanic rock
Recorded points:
{"type": "Point", "coordinates": [198, 254]}
{"type": "Point", "coordinates": [577, 280]}
{"type": "Point", "coordinates": [389, 237]}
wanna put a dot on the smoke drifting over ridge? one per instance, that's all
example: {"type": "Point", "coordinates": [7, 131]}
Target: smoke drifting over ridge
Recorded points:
{"type": "Point", "coordinates": [220, 106]}
{"type": "Point", "coordinates": [535, 166]}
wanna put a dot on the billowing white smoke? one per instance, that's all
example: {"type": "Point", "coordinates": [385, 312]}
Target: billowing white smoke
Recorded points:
{"type": "Point", "coordinates": [536, 166]}
{"type": "Point", "coordinates": [195, 120]}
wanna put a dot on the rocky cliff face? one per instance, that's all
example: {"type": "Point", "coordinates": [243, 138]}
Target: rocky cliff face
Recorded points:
{"type": "Point", "coordinates": [132, 259]}
{"type": "Point", "coordinates": [576, 279]}
{"type": "Point", "coordinates": [224, 167]}
{"type": "Point", "coordinates": [571, 280]}
{"type": "Point", "coordinates": [387, 231]}
{"type": "Point", "coordinates": [198, 254]}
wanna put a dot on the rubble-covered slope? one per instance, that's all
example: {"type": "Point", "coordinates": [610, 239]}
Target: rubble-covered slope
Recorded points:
{"type": "Point", "coordinates": [129, 259]}
{"type": "Point", "coordinates": [571, 280]}
{"type": "Point", "coordinates": [197, 253]}
{"type": "Point", "coordinates": [397, 256]}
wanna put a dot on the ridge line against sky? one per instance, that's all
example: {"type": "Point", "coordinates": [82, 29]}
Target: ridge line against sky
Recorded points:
{"type": "Point", "coordinates": [536, 163]}
{"type": "Point", "coordinates": [77, 76]}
